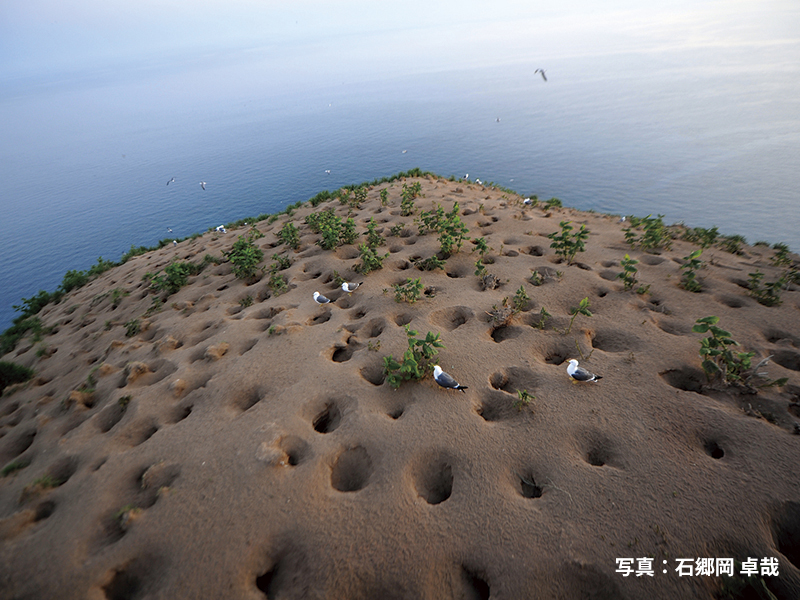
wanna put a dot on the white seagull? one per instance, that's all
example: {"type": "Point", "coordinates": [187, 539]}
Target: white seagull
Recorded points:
{"type": "Point", "coordinates": [540, 71]}
{"type": "Point", "coordinates": [580, 374]}
{"type": "Point", "coordinates": [171, 181]}
{"type": "Point", "coordinates": [174, 242]}
{"type": "Point", "coordinates": [221, 229]}
{"type": "Point", "coordinates": [350, 287]}
{"type": "Point", "coordinates": [444, 380]}
{"type": "Point", "coordinates": [527, 201]}
{"type": "Point", "coordinates": [320, 299]}
{"type": "Point", "coordinates": [203, 184]}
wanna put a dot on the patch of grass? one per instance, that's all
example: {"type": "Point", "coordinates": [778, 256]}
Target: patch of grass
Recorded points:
{"type": "Point", "coordinates": [14, 466]}
{"type": "Point", "coordinates": [733, 244]}
{"type": "Point", "coordinates": [132, 327]}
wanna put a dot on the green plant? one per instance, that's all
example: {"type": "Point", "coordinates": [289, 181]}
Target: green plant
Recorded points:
{"type": "Point", "coordinates": [14, 466]}
{"type": "Point", "coordinates": [370, 260]}
{"type": "Point", "coordinates": [524, 398]}
{"type": "Point", "coordinates": [536, 278]}
{"type": "Point", "coordinates": [769, 294]}
{"type": "Point", "coordinates": [417, 359]}
{"type": "Point", "coordinates": [246, 301]}
{"type": "Point", "coordinates": [780, 259]}
{"type": "Point", "coordinates": [568, 245]}
{"type": "Point", "coordinates": [581, 309]}
{"type": "Point", "coordinates": [244, 255]}
{"type": "Point", "coordinates": [429, 264]}
{"type": "Point", "coordinates": [480, 270]}
{"type": "Point", "coordinates": [290, 235]}
{"type": "Point", "coordinates": [273, 330]}
{"type": "Point", "coordinates": [451, 232]}
{"type": "Point", "coordinates": [410, 291]}
{"type": "Point", "coordinates": [348, 233]}
{"type": "Point", "coordinates": [132, 327]}
{"type": "Point", "coordinates": [396, 230]}
{"type": "Point", "coordinates": [11, 373]}
{"type": "Point", "coordinates": [689, 279]}
{"type": "Point", "coordinates": [117, 294]}
{"type": "Point", "coordinates": [543, 316]}
{"type": "Point", "coordinates": [123, 401]}
{"type": "Point", "coordinates": [655, 235]}
{"type": "Point", "coordinates": [733, 243]}
{"type": "Point", "coordinates": [280, 263]}
{"type": "Point", "coordinates": [384, 196]}
{"type": "Point", "coordinates": [374, 239]}
{"type": "Point", "coordinates": [408, 194]}
{"type": "Point", "coordinates": [718, 357]}
{"type": "Point", "coordinates": [174, 277]}
{"type": "Point", "coordinates": [277, 283]}
{"type": "Point", "coordinates": [628, 274]}
{"type": "Point", "coordinates": [520, 300]}
{"type": "Point", "coordinates": [704, 237]}
{"type": "Point", "coordinates": [373, 347]}
{"type": "Point", "coordinates": [338, 279]}
{"type": "Point", "coordinates": [553, 203]}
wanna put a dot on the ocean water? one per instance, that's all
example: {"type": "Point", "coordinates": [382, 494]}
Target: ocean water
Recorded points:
{"type": "Point", "coordinates": [707, 136]}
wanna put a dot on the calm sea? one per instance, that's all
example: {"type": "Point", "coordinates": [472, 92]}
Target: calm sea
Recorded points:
{"type": "Point", "coordinates": [708, 137]}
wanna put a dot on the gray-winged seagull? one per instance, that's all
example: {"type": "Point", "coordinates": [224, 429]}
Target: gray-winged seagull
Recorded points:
{"type": "Point", "coordinates": [579, 373]}
{"type": "Point", "coordinates": [444, 380]}
{"type": "Point", "coordinates": [350, 287]}
{"type": "Point", "coordinates": [320, 299]}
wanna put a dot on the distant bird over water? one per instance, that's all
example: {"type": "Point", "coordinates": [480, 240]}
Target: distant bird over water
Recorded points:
{"type": "Point", "coordinates": [444, 380]}
{"type": "Point", "coordinates": [171, 181]}
{"type": "Point", "coordinates": [540, 71]}
{"type": "Point", "coordinates": [203, 184]}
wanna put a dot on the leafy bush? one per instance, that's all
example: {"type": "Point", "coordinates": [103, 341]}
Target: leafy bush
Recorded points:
{"type": "Point", "coordinates": [11, 373]}
{"type": "Point", "coordinates": [520, 300]}
{"type": "Point", "coordinates": [628, 274]}
{"type": "Point", "coordinates": [553, 203]}
{"type": "Point", "coordinates": [244, 255]}
{"type": "Point", "coordinates": [655, 235]}
{"type": "Point", "coordinates": [770, 293]}
{"type": "Point", "coordinates": [568, 245]}
{"type": "Point", "coordinates": [408, 194]}
{"type": "Point", "coordinates": [733, 243]}
{"type": "Point", "coordinates": [429, 264]}
{"type": "Point", "coordinates": [689, 279]}
{"type": "Point", "coordinates": [417, 359]}
{"type": "Point", "coordinates": [348, 233]}
{"type": "Point", "coordinates": [132, 327]}
{"type": "Point", "coordinates": [290, 235]}
{"type": "Point", "coordinates": [370, 260]}
{"type": "Point", "coordinates": [704, 237]}
{"type": "Point", "coordinates": [410, 291]}
{"type": "Point", "coordinates": [174, 277]}
{"type": "Point", "coordinates": [374, 239]}
{"type": "Point", "coordinates": [719, 360]}
{"type": "Point", "coordinates": [384, 196]}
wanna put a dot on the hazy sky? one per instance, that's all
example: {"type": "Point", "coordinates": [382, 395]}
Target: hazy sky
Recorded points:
{"type": "Point", "coordinates": [51, 38]}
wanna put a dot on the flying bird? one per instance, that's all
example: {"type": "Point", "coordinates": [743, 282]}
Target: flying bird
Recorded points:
{"type": "Point", "coordinates": [577, 373]}
{"type": "Point", "coordinates": [350, 287]}
{"type": "Point", "coordinates": [203, 184]}
{"type": "Point", "coordinates": [540, 71]}
{"type": "Point", "coordinates": [320, 299]}
{"type": "Point", "coordinates": [444, 380]}
{"type": "Point", "coordinates": [171, 181]}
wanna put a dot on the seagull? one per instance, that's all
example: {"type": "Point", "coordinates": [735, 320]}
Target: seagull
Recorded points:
{"type": "Point", "coordinates": [404, 151]}
{"type": "Point", "coordinates": [222, 229]}
{"type": "Point", "coordinates": [444, 380]}
{"type": "Point", "coordinates": [169, 229]}
{"type": "Point", "coordinates": [171, 181]}
{"type": "Point", "coordinates": [320, 299]}
{"type": "Point", "coordinates": [174, 242]}
{"type": "Point", "coordinates": [327, 171]}
{"type": "Point", "coordinates": [479, 182]}
{"type": "Point", "coordinates": [527, 201]}
{"type": "Point", "coordinates": [580, 374]}
{"type": "Point", "coordinates": [621, 220]}
{"type": "Point", "coordinates": [540, 71]}
{"type": "Point", "coordinates": [203, 184]}
{"type": "Point", "coordinates": [350, 287]}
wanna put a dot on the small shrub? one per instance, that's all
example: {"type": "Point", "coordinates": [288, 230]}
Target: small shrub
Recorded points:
{"type": "Point", "coordinates": [290, 235]}
{"type": "Point", "coordinates": [628, 274]}
{"type": "Point", "coordinates": [689, 279]}
{"type": "Point", "coordinates": [370, 260]}
{"type": "Point", "coordinates": [14, 466]}
{"type": "Point", "coordinates": [410, 291]}
{"type": "Point", "coordinates": [581, 309]}
{"type": "Point", "coordinates": [780, 259]}
{"type": "Point", "coordinates": [396, 230]}
{"type": "Point", "coordinates": [174, 277]}
{"type": "Point", "coordinates": [348, 233]}
{"type": "Point", "coordinates": [719, 360]}
{"type": "Point", "coordinates": [117, 294]}
{"type": "Point", "coordinates": [280, 262]}
{"type": "Point", "coordinates": [524, 398]}
{"type": "Point", "coordinates": [543, 316]}
{"type": "Point", "coordinates": [132, 327]}
{"type": "Point", "coordinates": [417, 359]}
{"type": "Point", "coordinates": [733, 244]}
{"type": "Point", "coordinates": [408, 194]}
{"type": "Point", "coordinates": [246, 301]}
{"type": "Point", "coordinates": [536, 278]}
{"type": "Point", "coordinates": [770, 293]}
{"type": "Point", "coordinates": [553, 203]}
{"type": "Point", "coordinates": [244, 255]}
{"type": "Point", "coordinates": [655, 235]}
{"type": "Point", "coordinates": [11, 373]}
{"type": "Point", "coordinates": [567, 245]}
{"type": "Point", "coordinates": [429, 264]}
{"type": "Point", "coordinates": [520, 300]}
{"type": "Point", "coordinates": [384, 196]}
{"type": "Point", "coordinates": [277, 283]}
{"type": "Point", "coordinates": [374, 239]}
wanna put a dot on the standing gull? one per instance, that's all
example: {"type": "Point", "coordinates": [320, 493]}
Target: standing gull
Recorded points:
{"type": "Point", "coordinates": [540, 71]}
{"type": "Point", "coordinates": [350, 287]}
{"type": "Point", "coordinates": [444, 380]}
{"type": "Point", "coordinates": [320, 299]}
{"type": "Point", "coordinates": [579, 373]}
